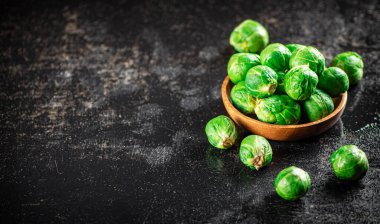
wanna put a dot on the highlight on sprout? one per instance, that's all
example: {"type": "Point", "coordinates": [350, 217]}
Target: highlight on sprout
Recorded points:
{"type": "Point", "coordinates": [309, 56]}
{"type": "Point", "coordinates": [239, 64]}
{"type": "Point", "coordinates": [244, 101]}
{"type": "Point", "coordinates": [255, 152]}
{"type": "Point", "coordinates": [318, 106]}
{"type": "Point", "coordinates": [351, 63]}
{"type": "Point", "coordinates": [300, 82]}
{"type": "Point", "coordinates": [349, 163]}
{"type": "Point", "coordinates": [276, 56]}
{"type": "Point", "coordinates": [278, 109]}
{"type": "Point", "coordinates": [261, 81]}
{"type": "Point", "coordinates": [292, 183]}
{"type": "Point", "coordinates": [221, 132]}
{"type": "Point", "coordinates": [249, 36]}
{"type": "Point", "coordinates": [333, 81]}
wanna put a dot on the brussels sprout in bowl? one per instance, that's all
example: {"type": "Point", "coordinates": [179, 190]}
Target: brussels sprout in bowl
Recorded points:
{"type": "Point", "coordinates": [291, 132]}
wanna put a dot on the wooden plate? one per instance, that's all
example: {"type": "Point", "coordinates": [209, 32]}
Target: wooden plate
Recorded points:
{"type": "Point", "coordinates": [282, 132]}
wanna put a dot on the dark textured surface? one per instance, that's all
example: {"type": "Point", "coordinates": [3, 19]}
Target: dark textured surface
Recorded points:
{"type": "Point", "coordinates": [103, 106]}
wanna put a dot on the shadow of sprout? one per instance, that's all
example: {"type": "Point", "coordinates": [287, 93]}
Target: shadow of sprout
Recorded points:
{"type": "Point", "coordinates": [342, 189]}
{"type": "Point", "coordinates": [228, 164]}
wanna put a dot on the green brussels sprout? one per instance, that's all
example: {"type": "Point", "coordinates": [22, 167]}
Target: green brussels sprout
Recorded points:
{"type": "Point", "coordinates": [333, 81]}
{"type": "Point", "coordinates": [294, 47]}
{"type": "Point", "coordinates": [276, 56]}
{"type": "Point", "coordinates": [318, 106]}
{"type": "Point", "coordinates": [292, 183]}
{"type": "Point", "coordinates": [349, 163]}
{"type": "Point", "coordinates": [255, 152]}
{"type": "Point", "coordinates": [280, 83]}
{"type": "Point", "coordinates": [242, 99]}
{"type": "Point", "coordinates": [278, 109]}
{"type": "Point", "coordinates": [221, 132]}
{"type": "Point", "coordinates": [308, 56]}
{"type": "Point", "coordinates": [239, 64]}
{"type": "Point", "coordinates": [300, 82]}
{"type": "Point", "coordinates": [249, 36]}
{"type": "Point", "coordinates": [261, 81]}
{"type": "Point", "coordinates": [351, 63]}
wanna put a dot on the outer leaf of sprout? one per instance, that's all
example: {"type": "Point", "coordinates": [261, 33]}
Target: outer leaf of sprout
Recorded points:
{"type": "Point", "coordinates": [292, 183]}
{"type": "Point", "coordinates": [351, 63]}
{"type": "Point", "coordinates": [349, 163]}
{"type": "Point", "coordinates": [255, 152]}
{"type": "Point", "coordinates": [333, 81]}
{"type": "Point", "coordinates": [318, 106]}
{"type": "Point", "coordinates": [261, 81]}
{"type": "Point", "coordinates": [239, 64]}
{"type": "Point", "coordinates": [278, 109]}
{"type": "Point", "coordinates": [221, 132]}
{"type": "Point", "coordinates": [300, 82]}
{"type": "Point", "coordinates": [244, 101]}
{"type": "Point", "coordinates": [249, 36]}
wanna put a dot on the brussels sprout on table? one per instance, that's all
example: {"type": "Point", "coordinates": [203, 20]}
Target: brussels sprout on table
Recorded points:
{"type": "Point", "coordinates": [280, 83]}
{"type": "Point", "coordinates": [308, 56]}
{"type": "Point", "coordinates": [333, 81]}
{"type": "Point", "coordinates": [352, 64]}
{"type": "Point", "coordinates": [318, 106]}
{"type": "Point", "coordinates": [255, 152]}
{"type": "Point", "coordinates": [221, 132]}
{"type": "Point", "coordinates": [239, 64]}
{"type": "Point", "coordinates": [249, 36]}
{"type": "Point", "coordinates": [276, 56]}
{"type": "Point", "coordinates": [244, 101]}
{"type": "Point", "coordinates": [278, 109]}
{"type": "Point", "coordinates": [261, 81]}
{"type": "Point", "coordinates": [294, 47]}
{"type": "Point", "coordinates": [292, 183]}
{"type": "Point", "coordinates": [300, 82]}
{"type": "Point", "coordinates": [349, 163]}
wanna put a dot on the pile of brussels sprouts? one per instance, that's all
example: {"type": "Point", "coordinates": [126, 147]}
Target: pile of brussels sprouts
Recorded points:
{"type": "Point", "coordinates": [276, 86]}
{"type": "Point", "coordinates": [285, 81]}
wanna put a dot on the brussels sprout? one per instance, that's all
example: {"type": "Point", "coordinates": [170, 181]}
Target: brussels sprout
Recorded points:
{"type": "Point", "coordinates": [276, 56]}
{"type": "Point", "coordinates": [300, 82]}
{"type": "Point", "coordinates": [261, 81]}
{"type": "Point", "coordinates": [308, 56]}
{"type": "Point", "coordinates": [333, 81]}
{"type": "Point", "coordinates": [249, 36]}
{"type": "Point", "coordinates": [318, 106]}
{"type": "Point", "coordinates": [294, 47]}
{"type": "Point", "coordinates": [349, 163]}
{"type": "Point", "coordinates": [351, 63]}
{"type": "Point", "coordinates": [292, 183]}
{"type": "Point", "coordinates": [255, 152]}
{"type": "Point", "coordinates": [242, 99]}
{"type": "Point", "coordinates": [239, 64]}
{"type": "Point", "coordinates": [278, 109]}
{"type": "Point", "coordinates": [221, 132]}
{"type": "Point", "coordinates": [280, 83]}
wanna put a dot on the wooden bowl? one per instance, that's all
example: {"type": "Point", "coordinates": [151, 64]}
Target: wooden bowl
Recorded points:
{"type": "Point", "coordinates": [282, 132]}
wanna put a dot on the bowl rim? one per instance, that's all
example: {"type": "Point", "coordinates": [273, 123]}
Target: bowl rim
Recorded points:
{"type": "Point", "coordinates": [226, 99]}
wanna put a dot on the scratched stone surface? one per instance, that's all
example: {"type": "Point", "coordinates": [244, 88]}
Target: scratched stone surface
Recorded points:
{"type": "Point", "coordinates": [103, 108]}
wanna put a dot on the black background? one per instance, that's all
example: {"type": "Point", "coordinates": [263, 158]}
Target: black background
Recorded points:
{"type": "Point", "coordinates": [103, 108]}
